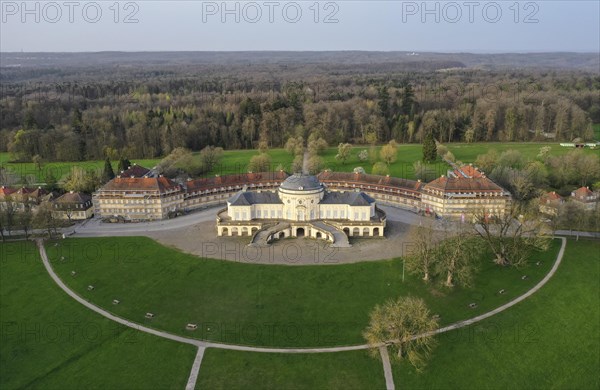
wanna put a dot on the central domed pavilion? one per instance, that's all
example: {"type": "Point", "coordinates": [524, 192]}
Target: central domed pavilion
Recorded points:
{"type": "Point", "coordinates": [302, 204]}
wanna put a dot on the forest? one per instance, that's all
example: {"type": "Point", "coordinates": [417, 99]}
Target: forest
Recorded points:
{"type": "Point", "coordinates": [66, 109]}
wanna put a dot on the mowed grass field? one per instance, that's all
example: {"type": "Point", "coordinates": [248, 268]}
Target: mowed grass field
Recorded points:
{"type": "Point", "coordinates": [233, 162]}
{"type": "Point", "coordinates": [265, 305]}
{"type": "Point", "coordinates": [229, 370]}
{"type": "Point", "coordinates": [49, 341]}
{"type": "Point", "coordinates": [467, 153]}
{"type": "Point", "coordinates": [551, 340]}
{"type": "Point", "coordinates": [236, 161]}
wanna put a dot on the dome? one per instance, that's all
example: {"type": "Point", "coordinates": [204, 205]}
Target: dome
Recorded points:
{"type": "Point", "coordinates": [298, 182]}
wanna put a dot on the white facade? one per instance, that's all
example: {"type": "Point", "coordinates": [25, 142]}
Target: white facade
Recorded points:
{"type": "Point", "coordinates": [308, 202]}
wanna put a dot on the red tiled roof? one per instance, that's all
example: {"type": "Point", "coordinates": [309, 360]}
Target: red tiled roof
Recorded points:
{"type": "Point", "coordinates": [6, 191]}
{"type": "Point", "coordinates": [463, 184]}
{"type": "Point", "coordinates": [550, 197]}
{"type": "Point", "coordinates": [583, 192]}
{"type": "Point", "coordinates": [233, 180]}
{"type": "Point", "coordinates": [469, 171]}
{"type": "Point", "coordinates": [363, 178]}
{"type": "Point", "coordinates": [160, 184]}
{"type": "Point", "coordinates": [23, 192]}
{"type": "Point", "coordinates": [74, 197]}
{"type": "Point", "coordinates": [134, 171]}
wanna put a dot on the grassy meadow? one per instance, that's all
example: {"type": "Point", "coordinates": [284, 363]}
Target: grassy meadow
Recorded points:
{"type": "Point", "coordinates": [236, 161]}
{"type": "Point", "coordinates": [49, 341]}
{"type": "Point", "coordinates": [265, 305]}
{"type": "Point", "coordinates": [548, 341]}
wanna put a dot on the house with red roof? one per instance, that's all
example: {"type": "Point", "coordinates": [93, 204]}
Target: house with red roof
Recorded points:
{"type": "Point", "coordinates": [24, 197]}
{"type": "Point", "coordinates": [585, 197]}
{"type": "Point", "coordinates": [73, 206]}
{"type": "Point", "coordinates": [550, 202]}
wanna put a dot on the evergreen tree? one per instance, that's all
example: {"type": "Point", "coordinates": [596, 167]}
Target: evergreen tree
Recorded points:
{"type": "Point", "coordinates": [51, 182]}
{"type": "Point", "coordinates": [429, 148]}
{"type": "Point", "coordinates": [108, 173]}
{"type": "Point", "coordinates": [124, 164]}
{"type": "Point", "coordinates": [408, 100]}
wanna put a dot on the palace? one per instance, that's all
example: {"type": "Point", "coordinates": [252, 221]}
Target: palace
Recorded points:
{"type": "Point", "coordinates": [301, 205]}
{"type": "Point", "coordinates": [138, 194]}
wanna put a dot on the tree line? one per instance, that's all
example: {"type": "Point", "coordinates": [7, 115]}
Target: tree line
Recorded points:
{"type": "Point", "coordinates": [149, 117]}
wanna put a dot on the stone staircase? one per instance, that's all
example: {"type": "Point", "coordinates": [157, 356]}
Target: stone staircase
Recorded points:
{"type": "Point", "coordinates": [261, 238]}
{"type": "Point", "coordinates": [340, 239]}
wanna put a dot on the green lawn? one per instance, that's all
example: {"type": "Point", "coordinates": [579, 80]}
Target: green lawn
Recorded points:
{"type": "Point", "coordinates": [266, 305]}
{"type": "Point", "coordinates": [403, 167]}
{"type": "Point", "coordinates": [467, 153]}
{"type": "Point", "coordinates": [60, 169]}
{"type": "Point", "coordinates": [236, 161]}
{"type": "Point", "coordinates": [233, 161]}
{"type": "Point", "coordinates": [597, 131]}
{"type": "Point", "coordinates": [232, 370]}
{"type": "Point", "coordinates": [49, 341]}
{"type": "Point", "coordinates": [551, 340]}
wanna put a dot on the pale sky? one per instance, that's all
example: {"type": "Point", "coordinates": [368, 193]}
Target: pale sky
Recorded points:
{"type": "Point", "coordinates": [473, 26]}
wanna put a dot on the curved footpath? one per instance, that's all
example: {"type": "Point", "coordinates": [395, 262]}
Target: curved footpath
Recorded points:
{"type": "Point", "coordinates": [202, 345]}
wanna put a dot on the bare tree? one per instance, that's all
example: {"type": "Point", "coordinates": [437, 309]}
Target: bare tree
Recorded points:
{"type": "Point", "coordinates": [2, 222]}
{"type": "Point", "coordinates": [43, 219]}
{"type": "Point", "coordinates": [10, 211]}
{"type": "Point", "coordinates": [210, 156]}
{"type": "Point", "coordinates": [512, 235]}
{"type": "Point", "coordinates": [571, 215]}
{"type": "Point", "coordinates": [422, 249]}
{"type": "Point", "coordinates": [25, 221]}
{"type": "Point", "coordinates": [406, 324]}
{"type": "Point", "coordinates": [457, 256]}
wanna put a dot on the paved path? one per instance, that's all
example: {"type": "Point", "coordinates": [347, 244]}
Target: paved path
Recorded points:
{"type": "Point", "coordinates": [204, 344]}
{"type": "Point", "coordinates": [191, 384]}
{"type": "Point", "coordinates": [305, 159]}
{"type": "Point", "coordinates": [576, 233]}
{"type": "Point", "coordinates": [387, 368]}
